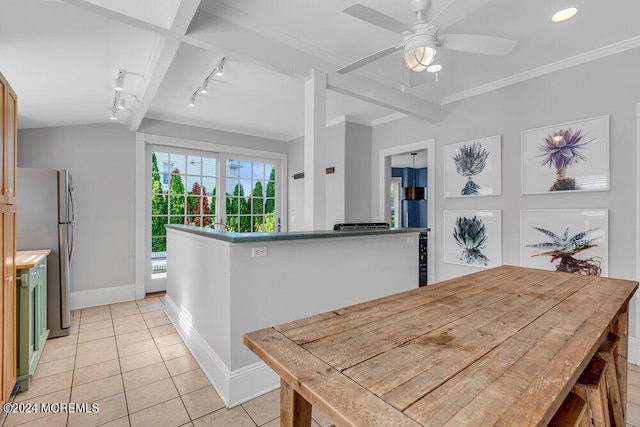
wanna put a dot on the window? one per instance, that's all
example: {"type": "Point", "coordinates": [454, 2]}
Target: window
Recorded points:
{"type": "Point", "coordinates": [250, 201]}
{"type": "Point", "coordinates": [182, 194]}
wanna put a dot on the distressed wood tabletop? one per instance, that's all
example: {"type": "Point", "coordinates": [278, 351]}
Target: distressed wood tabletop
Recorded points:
{"type": "Point", "coordinates": [499, 347]}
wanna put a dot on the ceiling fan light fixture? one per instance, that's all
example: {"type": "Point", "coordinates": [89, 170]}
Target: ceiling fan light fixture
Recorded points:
{"type": "Point", "coordinates": [564, 14]}
{"type": "Point", "coordinates": [419, 52]}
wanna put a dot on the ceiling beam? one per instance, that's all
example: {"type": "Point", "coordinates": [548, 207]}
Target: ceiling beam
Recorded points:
{"type": "Point", "coordinates": [165, 49]}
{"type": "Point", "coordinates": [164, 52]}
{"type": "Point", "coordinates": [120, 17]}
{"type": "Point", "coordinates": [210, 32]}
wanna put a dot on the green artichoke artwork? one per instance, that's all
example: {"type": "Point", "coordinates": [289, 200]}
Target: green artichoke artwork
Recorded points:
{"type": "Point", "coordinates": [470, 235]}
{"type": "Point", "coordinates": [565, 248]}
{"type": "Point", "coordinates": [561, 150]}
{"type": "Point", "coordinates": [470, 161]}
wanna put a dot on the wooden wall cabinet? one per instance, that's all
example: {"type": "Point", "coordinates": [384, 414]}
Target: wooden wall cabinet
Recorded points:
{"type": "Point", "coordinates": [8, 133]}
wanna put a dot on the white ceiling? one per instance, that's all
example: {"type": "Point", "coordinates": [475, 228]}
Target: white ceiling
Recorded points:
{"type": "Point", "coordinates": [61, 57]}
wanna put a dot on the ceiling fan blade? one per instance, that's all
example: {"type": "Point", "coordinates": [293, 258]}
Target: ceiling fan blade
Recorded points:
{"type": "Point", "coordinates": [368, 59]}
{"type": "Point", "coordinates": [454, 10]}
{"type": "Point", "coordinates": [374, 17]}
{"type": "Point", "coordinates": [485, 45]}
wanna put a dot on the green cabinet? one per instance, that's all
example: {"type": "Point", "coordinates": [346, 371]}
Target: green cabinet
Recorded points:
{"type": "Point", "coordinates": [32, 318]}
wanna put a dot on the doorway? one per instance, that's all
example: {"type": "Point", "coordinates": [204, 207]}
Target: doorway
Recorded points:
{"type": "Point", "coordinates": [388, 204]}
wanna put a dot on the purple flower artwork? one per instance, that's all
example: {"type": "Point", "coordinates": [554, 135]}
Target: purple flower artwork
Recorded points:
{"type": "Point", "coordinates": [560, 150]}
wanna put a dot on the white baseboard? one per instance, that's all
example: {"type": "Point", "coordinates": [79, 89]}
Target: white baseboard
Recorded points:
{"type": "Point", "coordinates": [234, 387]}
{"type": "Point", "coordinates": [83, 299]}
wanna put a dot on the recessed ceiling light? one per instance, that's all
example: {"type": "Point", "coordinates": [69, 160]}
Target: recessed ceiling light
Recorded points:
{"type": "Point", "coordinates": [434, 68]}
{"type": "Point", "coordinates": [564, 14]}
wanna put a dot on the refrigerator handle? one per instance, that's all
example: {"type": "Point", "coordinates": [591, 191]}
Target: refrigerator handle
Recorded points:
{"type": "Point", "coordinates": [65, 282]}
{"type": "Point", "coordinates": [73, 205]}
{"type": "Point", "coordinates": [73, 240]}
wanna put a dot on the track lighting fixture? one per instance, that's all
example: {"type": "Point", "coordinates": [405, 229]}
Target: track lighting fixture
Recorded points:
{"type": "Point", "coordinates": [219, 69]}
{"type": "Point", "coordinates": [204, 87]}
{"type": "Point", "coordinates": [119, 79]}
{"type": "Point", "coordinates": [121, 105]}
{"type": "Point", "coordinates": [113, 114]}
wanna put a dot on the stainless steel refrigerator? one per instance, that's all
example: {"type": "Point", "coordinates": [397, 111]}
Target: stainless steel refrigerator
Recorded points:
{"type": "Point", "coordinates": [46, 214]}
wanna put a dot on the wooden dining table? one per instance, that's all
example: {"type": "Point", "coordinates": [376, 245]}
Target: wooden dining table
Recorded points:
{"type": "Point", "coordinates": [500, 347]}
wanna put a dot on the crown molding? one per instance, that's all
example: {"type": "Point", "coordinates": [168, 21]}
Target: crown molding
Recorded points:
{"type": "Point", "coordinates": [386, 119]}
{"type": "Point", "coordinates": [602, 52]}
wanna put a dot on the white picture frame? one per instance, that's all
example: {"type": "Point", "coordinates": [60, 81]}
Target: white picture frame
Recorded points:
{"type": "Point", "coordinates": [582, 165]}
{"type": "Point", "coordinates": [491, 248]}
{"type": "Point", "coordinates": [565, 224]}
{"type": "Point", "coordinates": [487, 182]}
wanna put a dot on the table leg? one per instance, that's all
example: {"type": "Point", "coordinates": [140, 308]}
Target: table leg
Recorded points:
{"type": "Point", "coordinates": [295, 411]}
{"type": "Point", "coordinates": [620, 328]}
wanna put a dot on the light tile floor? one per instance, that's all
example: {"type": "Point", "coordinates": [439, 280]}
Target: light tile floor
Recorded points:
{"type": "Point", "coordinates": [129, 359]}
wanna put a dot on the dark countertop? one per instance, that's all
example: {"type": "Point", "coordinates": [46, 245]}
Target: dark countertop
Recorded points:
{"type": "Point", "coordinates": [233, 237]}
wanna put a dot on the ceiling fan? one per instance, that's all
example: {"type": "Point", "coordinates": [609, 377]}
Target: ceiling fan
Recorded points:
{"type": "Point", "coordinates": [420, 42]}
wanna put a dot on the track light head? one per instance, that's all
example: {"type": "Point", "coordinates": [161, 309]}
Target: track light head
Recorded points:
{"type": "Point", "coordinates": [204, 87]}
{"type": "Point", "coordinates": [119, 80]}
{"type": "Point", "coordinates": [192, 101]}
{"type": "Point", "coordinates": [121, 105]}
{"type": "Point", "coordinates": [113, 114]}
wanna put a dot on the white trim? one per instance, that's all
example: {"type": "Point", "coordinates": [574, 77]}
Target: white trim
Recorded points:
{"type": "Point", "coordinates": [387, 119]}
{"type": "Point", "coordinates": [384, 190]}
{"type": "Point", "coordinates": [102, 296]}
{"type": "Point", "coordinates": [233, 387]}
{"type": "Point", "coordinates": [592, 55]}
{"type": "Point", "coordinates": [141, 210]}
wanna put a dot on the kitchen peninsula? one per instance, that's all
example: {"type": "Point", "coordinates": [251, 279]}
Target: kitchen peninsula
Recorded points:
{"type": "Point", "coordinates": [221, 285]}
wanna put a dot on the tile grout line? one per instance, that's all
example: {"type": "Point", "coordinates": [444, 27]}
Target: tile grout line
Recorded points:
{"type": "Point", "coordinates": [124, 392]}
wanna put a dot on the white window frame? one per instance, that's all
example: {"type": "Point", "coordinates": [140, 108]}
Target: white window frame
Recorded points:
{"type": "Point", "coordinates": [222, 161]}
{"type": "Point", "coordinates": [143, 190]}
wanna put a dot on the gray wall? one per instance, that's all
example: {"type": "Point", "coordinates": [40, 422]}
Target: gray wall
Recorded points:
{"type": "Point", "coordinates": [101, 159]}
{"type": "Point", "coordinates": [605, 86]}
{"type": "Point", "coordinates": [348, 149]}
{"type": "Point", "coordinates": [295, 155]}
{"type": "Point", "coordinates": [176, 130]}
{"type": "Point", "coordinates": [358, 172]}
